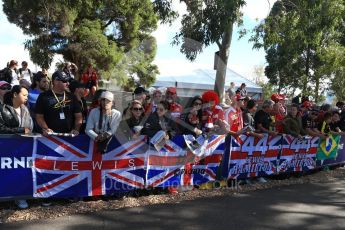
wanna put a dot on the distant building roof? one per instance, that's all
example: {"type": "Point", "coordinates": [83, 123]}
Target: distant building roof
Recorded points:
{"type": "Point", "coordinates": [204, 79]}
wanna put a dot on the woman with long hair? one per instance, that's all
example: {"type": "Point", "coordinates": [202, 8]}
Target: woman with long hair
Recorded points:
{"type": "Point", "coordinates": [131, 127]}
{"type": "Point", "coordinates": [14, 116]}
{"type": "Point", "coordinates": [192, 119]}
{"type": "Point", "coordinates": [15, 119]}
{"type": "Point", "coordinates": [160, 120]}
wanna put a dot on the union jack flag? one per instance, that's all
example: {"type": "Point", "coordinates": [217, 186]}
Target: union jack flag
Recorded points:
{"type": "Point", "coordinates": [253, 157]}
{"type": "Point", "coordinates": [74, 167]}
{"type": "Point", "coordinates": [297, 155]}
{"type": "Point", "coordinates": [175, 166]}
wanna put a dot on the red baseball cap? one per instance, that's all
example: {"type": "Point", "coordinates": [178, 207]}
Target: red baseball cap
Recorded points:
{"type": "Point", "coordinates": [277, 97]}
{"type": "Point", "coordinates": [171, 90]}
{"type": "Point", "coordinates": [307, 104]}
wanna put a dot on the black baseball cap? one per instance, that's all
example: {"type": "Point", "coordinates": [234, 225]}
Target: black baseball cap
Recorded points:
{"type": "Point", "coordinates": [60, 76]}
{"type": "Point", "coordinates": [140, 90]}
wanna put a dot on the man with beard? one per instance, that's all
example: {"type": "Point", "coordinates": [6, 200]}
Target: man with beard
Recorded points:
{"type": "Point", "coordinates": [40, 84]}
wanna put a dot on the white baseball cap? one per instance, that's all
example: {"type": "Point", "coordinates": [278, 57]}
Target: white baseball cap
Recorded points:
{"type": "Point", "coordinates": [107, 95]}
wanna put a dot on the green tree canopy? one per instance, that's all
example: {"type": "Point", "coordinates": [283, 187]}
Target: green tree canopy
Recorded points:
{"type": "Point", "coordinates": [297, 36]}
{"type": "Point", "coordinates": [91, 31]}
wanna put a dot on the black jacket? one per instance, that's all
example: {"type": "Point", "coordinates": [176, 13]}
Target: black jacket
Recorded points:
{"type": "Point", "coordinates": [154, 124]}
{"type": "Point", "coordinates": [9, 123]}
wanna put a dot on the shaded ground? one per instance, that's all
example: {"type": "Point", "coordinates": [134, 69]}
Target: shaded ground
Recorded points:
{"type": "Point", "coordinates": [315, 202]}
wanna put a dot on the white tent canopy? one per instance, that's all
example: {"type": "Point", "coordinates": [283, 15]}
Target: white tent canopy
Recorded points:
{"type": "Point", "coordinates": [198, 81]}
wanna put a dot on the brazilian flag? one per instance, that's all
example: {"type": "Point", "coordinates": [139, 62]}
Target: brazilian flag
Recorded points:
{"type": "Point", "coordinates": [328, 147]}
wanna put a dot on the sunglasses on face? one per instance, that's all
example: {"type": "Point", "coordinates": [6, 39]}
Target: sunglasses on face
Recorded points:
{"type": "Point", "coordinates": [197, 104]}
{"type": "Point", "coordinates": [137, 109]}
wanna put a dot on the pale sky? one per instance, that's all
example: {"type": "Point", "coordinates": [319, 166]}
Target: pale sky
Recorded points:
{"type": "Point", "coordinates": [169, 60]}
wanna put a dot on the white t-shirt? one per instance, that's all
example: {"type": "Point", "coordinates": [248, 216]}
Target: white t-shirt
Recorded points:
{"type": "Point", "coordinates": [26, 75]}
{"type": "Point", "coordinates": [15, 80]}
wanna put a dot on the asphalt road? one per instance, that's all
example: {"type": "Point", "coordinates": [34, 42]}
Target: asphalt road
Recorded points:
{"type": "Point", "coordinates": [307, 206]}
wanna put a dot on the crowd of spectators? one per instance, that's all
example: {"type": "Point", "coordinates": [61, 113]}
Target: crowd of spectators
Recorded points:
{"type": "Point", "coordinates": [32, 102]}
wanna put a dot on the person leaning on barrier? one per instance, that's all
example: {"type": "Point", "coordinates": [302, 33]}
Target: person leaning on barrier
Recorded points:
{"type": "Point", "coordinates": [14, 116]}
{"type": "Point", "coordinates": [329, 125]}
{"type": "Point", "coordinates": [15, 119]}
{"type": "Point", "coordinates": [103, 121]}
{"type": "Point", "coordinates": [263, 120]}
{"type": "Point", "coordinates": [160, 120]}
{"type": "Point", "coordinates": [292, 124]}
{"type": "Point", "coordinates": [334, 125]}
{"type": "Point", "coordinates": [131, 127]}
{"type": "Point", "coordinates": [58, 110]}
{"type": "Point", "coordinates": [213, 118]}
{"type": "Point", "coordinates": [191, 121]}
{"type": "Point", "coordinates": [309, 122]}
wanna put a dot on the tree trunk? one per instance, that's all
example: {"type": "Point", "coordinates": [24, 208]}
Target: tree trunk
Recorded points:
{"type": "Point", "coordinates": [307, 68]}
{"type": "Point", "coordinates": [316, 92]}
{"type": "Point", "coordinates": [224, 51]}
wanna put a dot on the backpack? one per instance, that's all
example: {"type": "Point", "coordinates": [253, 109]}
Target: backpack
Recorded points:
{"type": "Point", "coordinates": [6, 75]}
{"type": "Point", "coordinates": [21, 70]}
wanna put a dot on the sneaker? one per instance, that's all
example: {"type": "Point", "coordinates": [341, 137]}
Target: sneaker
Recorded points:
{"type": "Point", "coordinates": [77, 199]}
{"type": "Point", "coordinates": [325, 168]}
{"type": "Point", "coordinates": [22, 204]}
{"type": "Point", "coordinates": [46, 204]}
{"type": "Point", "coordinates": [223, 184]}
{"type": "Point", "coordinates": [261, 180]}
{"type": "Point", "coordinates": [205, 186]}
{"type": "Point", "coordinates": [185, 188]}
{"type": "Point", "coordinates": [242, 182]}
{"type": "Point", "coordinates": [216, 184]}
{"type": "Point", "coordinates": [249, 181]}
